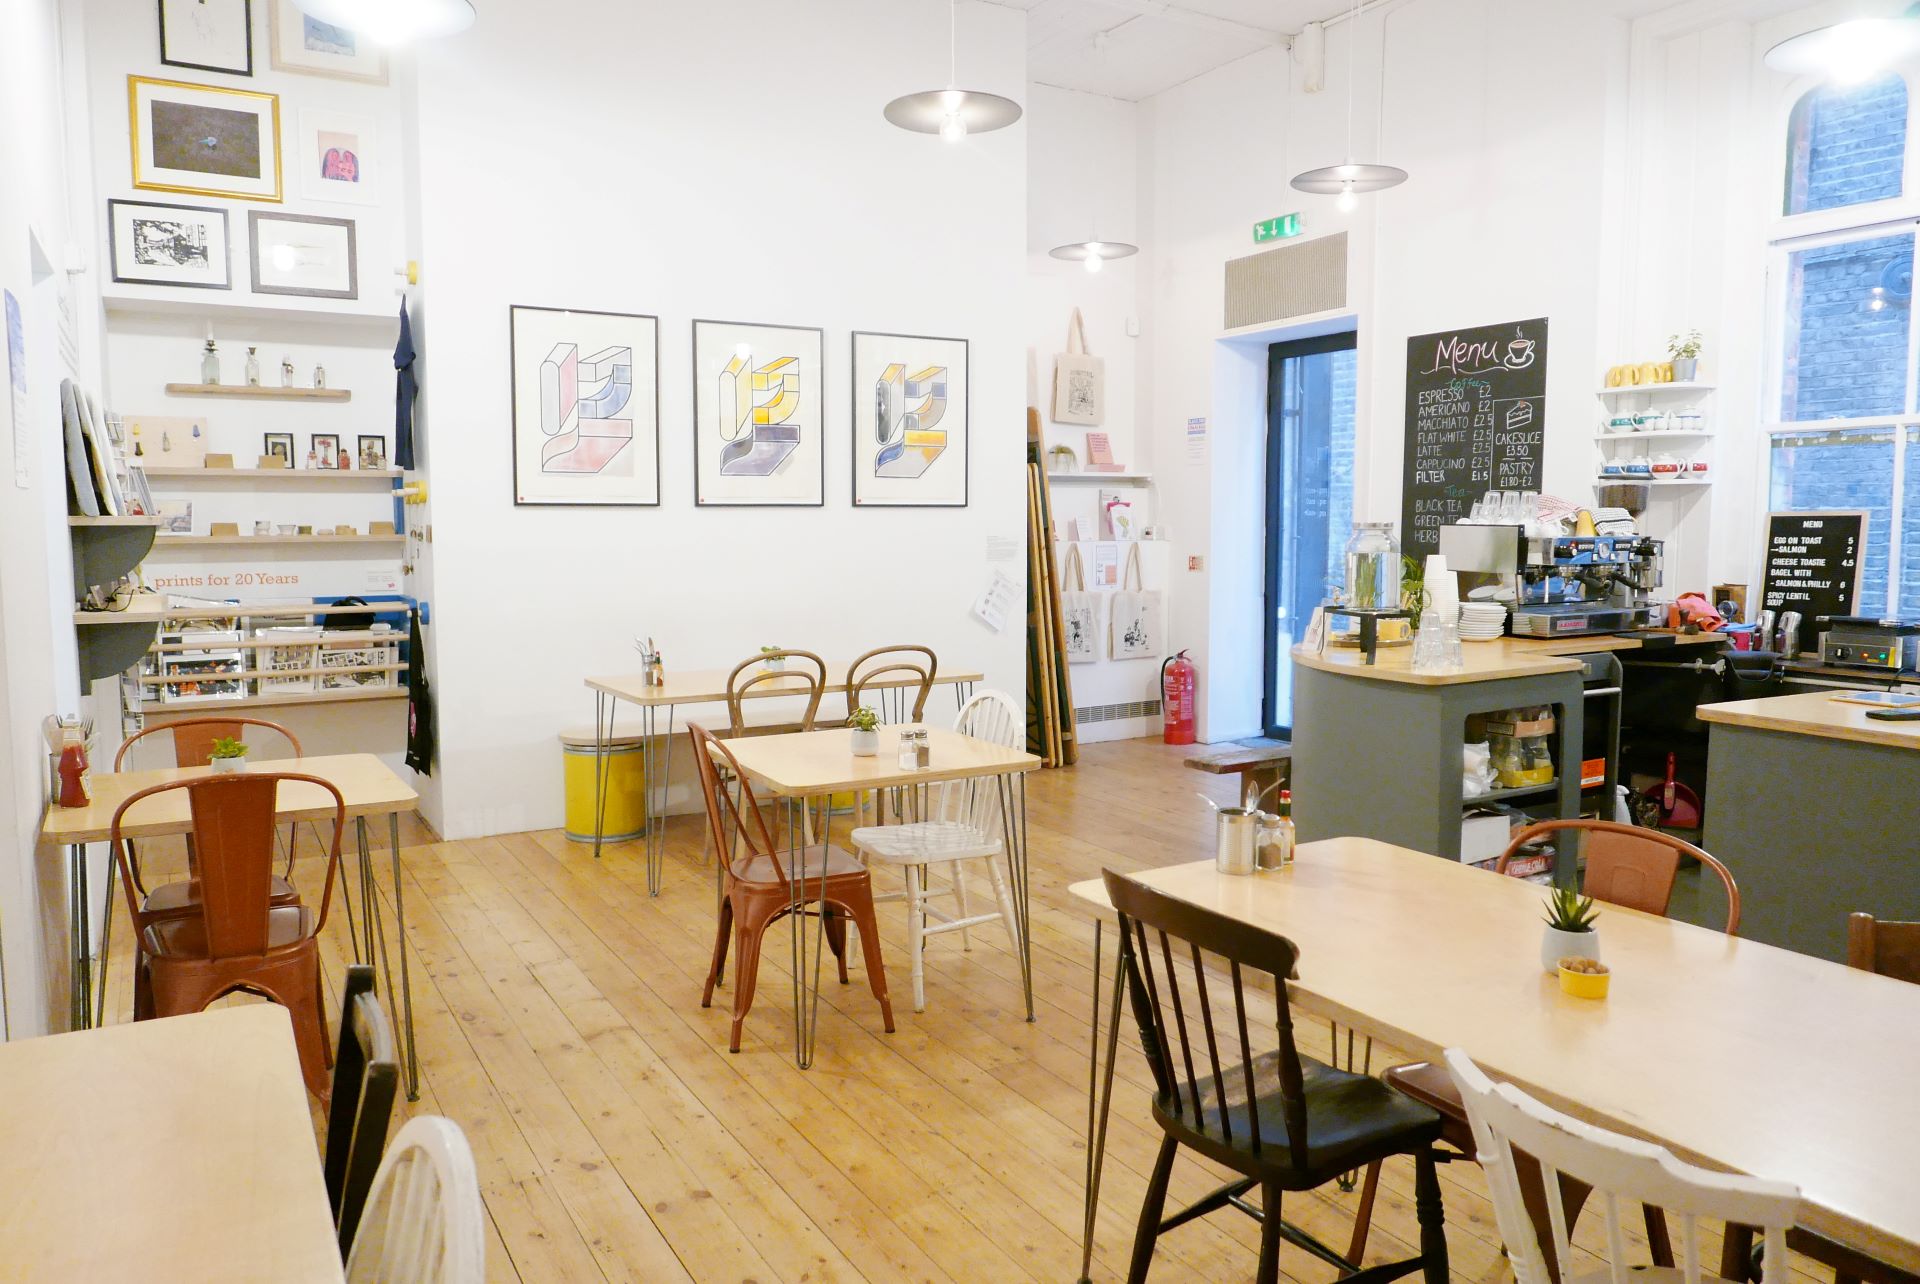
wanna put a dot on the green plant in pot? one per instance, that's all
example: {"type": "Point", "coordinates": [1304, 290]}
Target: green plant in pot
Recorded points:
{"type": "Point", "coordinates": [1570, 932]}
{"type": "Point", "coordinates": [866, 731]}
{"type": "Point", "coordinates": [1685, 351]}
{"type": "Point", "coordinates": [771, 657]}
{"type": "Point", "coordinates": [227, 755]}
{"type": "Point", "coordinates": [1413, 595]}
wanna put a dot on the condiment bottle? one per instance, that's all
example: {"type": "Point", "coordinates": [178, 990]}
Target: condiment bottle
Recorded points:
{"type": "Point", "coordinates": [73, 775]}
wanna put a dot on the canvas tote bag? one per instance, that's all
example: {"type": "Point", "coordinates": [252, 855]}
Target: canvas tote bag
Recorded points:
{"type": "Point", "coordinates": [1136, 629]}
{"type": "Point", "coordinates": [1079, 610]}
{"type": "Point", "coordinates": [1079, 380]}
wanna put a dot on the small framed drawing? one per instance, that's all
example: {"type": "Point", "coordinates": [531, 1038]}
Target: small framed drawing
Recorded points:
{"type": "Point", "coordinates": [909, 421]}
{"type": "Point", "coordinates": [586, 407]}
{"type": "Point", "coordinates": [324, 448]}
{"type": "Point", "coordinates": [205, 139]}
{"type": "Point", "coordinates": [373, 452]}
{"type": "Point", "coordinates": [315, 48]}
{"type": "Point", "coordinates": [757, 415]}
{"type": "Point", "coordinates": [280, 446]}
{"type": "Point", "coordinates": [156, 244]}
{"type": "Point", "coordinates": [303, 254]}
{"type": "Point", "coordinates": [337, 158]}
{"type": "Point", "coordinates": [207, 35]}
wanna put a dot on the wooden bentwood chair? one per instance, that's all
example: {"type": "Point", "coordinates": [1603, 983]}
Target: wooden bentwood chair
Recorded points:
{"type": "Point", "coordinates": [239, 940]}
{"type": "Point", "coordinates": [911, 666]}
{"type": "Point", "coordinates": [1282, 1121]}
{"type": "Point", "coordinates": [756, 888]}
{"type": "Point", "coordinates": [1629, 866]}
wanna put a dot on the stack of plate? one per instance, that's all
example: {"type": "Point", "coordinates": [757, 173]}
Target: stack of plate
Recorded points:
{"type": "Point", "coordinates": [1482, 621]}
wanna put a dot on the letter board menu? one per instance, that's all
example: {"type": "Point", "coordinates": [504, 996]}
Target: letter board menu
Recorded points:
{"type": "Point", "coordinates": [1813, 567]}
{"type": "Point", "coordinates": [1476, 421]}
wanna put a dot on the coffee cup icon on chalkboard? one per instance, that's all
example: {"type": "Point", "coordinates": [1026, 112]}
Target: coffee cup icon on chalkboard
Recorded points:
{"type": "Point", "coordinates": [1519, 354]}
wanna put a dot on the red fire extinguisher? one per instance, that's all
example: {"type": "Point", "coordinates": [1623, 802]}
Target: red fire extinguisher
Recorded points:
{"type": "Point", "coordinates": [1177, 679]}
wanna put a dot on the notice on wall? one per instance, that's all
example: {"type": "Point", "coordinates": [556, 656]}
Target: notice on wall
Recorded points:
{"type": "Point", "coordinates": [1813, 567]}
{"type": "Point", "coordinates": [993, 605]}
{"type": "Point", "coordinates": [1196, 441]}
{"type": "Point", "coordinates": [1476, 421]}
{"type": "Point", "coordinates": [17, 393]}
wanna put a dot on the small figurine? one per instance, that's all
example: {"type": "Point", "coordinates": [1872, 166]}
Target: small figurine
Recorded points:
{"type": "Point", "coordinates": [319, 377]}
{"type": "Point", "coordinates": [286, 372]}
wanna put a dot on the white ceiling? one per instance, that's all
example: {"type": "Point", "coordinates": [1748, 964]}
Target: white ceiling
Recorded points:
{"type": "Point", "coordinates": [1153, 45]}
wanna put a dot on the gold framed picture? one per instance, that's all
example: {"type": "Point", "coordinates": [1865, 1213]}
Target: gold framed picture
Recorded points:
{"type": "Point", "coordinates": [204, 139]}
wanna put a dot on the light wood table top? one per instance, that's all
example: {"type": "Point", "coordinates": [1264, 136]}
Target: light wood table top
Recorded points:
{"type": "Point", "coordinates": [369, 787]}
{"type": "Point", "coordinates": [805, 763]}
{"type": "Point", "coordinates": [1734, 1054]}
{"type": "Point", "coordinates": [709, 686]}
{"type": "Point", "coordinates": [176, 1149]}
{"type": "Point", "coordinates": [1485, 661]}
{"type": "Point", "coordinates": [1814, 713]}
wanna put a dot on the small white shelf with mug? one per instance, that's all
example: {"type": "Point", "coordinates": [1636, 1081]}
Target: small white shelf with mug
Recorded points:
{"type": "Point", "coordinates": [1654, 390]}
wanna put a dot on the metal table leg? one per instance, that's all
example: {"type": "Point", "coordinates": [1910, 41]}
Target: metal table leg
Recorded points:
{"type": "Point", "coordinates": [1100, 1103]}
{"type": "Point", "coordinates": [406, 978]}
{"type": "Point", "coordinates": [1013, 793]}
{"type": "Point", "coordinates": [659, 774]}
{"type": "Point", "coordinates": [78, 934]}
{"type": "Point", "coordinates": [106, 939]}
{"type": "Point", "coordinates": [604, 709]}
{"type": "Point", "coordinates": [806, 1008]}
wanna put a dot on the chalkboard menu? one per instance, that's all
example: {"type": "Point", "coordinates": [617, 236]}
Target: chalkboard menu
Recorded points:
{"type": "Point", "coordinates": [1813, 567]}
{"type": "Point", "coordinates": [1476, 421]}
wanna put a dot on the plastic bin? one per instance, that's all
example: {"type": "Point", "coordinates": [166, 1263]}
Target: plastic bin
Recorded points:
{"type": "Point", "coordinates": [626, 815]}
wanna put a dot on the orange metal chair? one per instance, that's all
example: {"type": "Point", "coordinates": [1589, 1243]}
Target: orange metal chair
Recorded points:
{"type": "Point", "coordinates": [755, 888]}
{"type": "Point", "coordinates": [239, 940]}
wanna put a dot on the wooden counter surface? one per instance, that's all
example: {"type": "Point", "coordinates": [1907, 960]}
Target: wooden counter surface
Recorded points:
{"type": "Point", "coordinates": [1814, 713]}
{"type": "Point", "coordinates": [1485, 661]}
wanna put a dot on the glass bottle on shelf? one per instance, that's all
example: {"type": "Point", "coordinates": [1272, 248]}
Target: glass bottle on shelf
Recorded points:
{"type": "Point", "coordinates": [253, 367]}
{"type": "Point", "coordinates": [319, 377]}
{"type": "Point", "coordinates": [210, 365]}
{"type": "Point", "coordinates": [286, 372]}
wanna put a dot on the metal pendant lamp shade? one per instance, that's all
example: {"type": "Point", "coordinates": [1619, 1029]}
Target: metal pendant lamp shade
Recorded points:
{"type": "Point", "coordinates": [1091, 254]}
{"type": "Point", "coordinates": [1851, 51]}
{"type": "Point", "coordinates": [1352, 176]}
{"type": "Point", "coordinates": [952, 113]}
{"type": "Point", "coordinates": [392, 22]}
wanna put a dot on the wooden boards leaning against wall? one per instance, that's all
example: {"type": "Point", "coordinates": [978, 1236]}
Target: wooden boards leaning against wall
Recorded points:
{"type": "Point", "coordinates": [1049, 695]}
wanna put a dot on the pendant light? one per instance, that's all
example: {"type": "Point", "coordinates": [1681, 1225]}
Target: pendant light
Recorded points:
{"type": "Point", "coordinates": [1093, 252]}
{"type": "Point", "coordinates": [1849, 52]}
{"type": "Point", "coordinates": [952, 113]}
{"type": "Point", "coordinates": [393, 22]}
{"type": "Point", "coordinates": [1350, 178]}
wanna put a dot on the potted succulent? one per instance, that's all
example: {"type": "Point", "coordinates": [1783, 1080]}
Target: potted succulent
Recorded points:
{"type": "Point", "coordinates": [771, 657]}
{"type": "Point", "coordinates": [228, 756]}
{"type": "Point", "coordinates": [866, 735]}
{"type": "Point", "coordinates": [1569, 933]}
{"type": "Point", "coordinates": [1685, 351]}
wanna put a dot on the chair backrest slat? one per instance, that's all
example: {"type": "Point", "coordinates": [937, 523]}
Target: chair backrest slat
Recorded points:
{"type": "Point", "coordinates": [907, 670]}
{"type": "Point", "coordinates": [1180, 1023]}
{"type": "Point", "coordinates": [1146, 1014]}
{"type": "Point", "coordinates": [976, 802]}
{"type": "Point", "coordinates": [748, 824]}
{"type": "Point", "coordinates": [1246, 1051]}
{"type": "Point", "coordinates": [1690, 1248]}
{"type": "Point", "coordinates": [1883, 946]}
{"type": "Point", "coordinates": [1213, 1049]}
{"type": "Point", "coordinates": [1616, 1240]}
{"type": "Point", "coordinates": [802, 673]}
{"type": "Point", "coordinates": [424, 1221]}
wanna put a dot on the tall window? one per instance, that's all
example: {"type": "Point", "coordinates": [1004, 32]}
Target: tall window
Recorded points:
{"type": "Point", "coordinates": [1844, 432]}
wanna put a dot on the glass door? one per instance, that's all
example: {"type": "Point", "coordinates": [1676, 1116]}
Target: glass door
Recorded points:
{"type": "Point", "coordinates": [1310, 451]}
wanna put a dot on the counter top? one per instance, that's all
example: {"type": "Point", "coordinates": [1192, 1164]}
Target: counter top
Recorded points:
{"type": "Point", "coordinates": [1813, 713]}
{"type": "Point", "coordinates": [1486, 661]}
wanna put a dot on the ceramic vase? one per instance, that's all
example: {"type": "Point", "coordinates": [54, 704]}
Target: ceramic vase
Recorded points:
{"type": "Point", "coordinates": [1556, 945]}
{"type": "Point", "coordinates": [1686, 369]}
{"type": "Point", "coordinates": [227, 766]}
{"type": "Point", "coordinates": [865, 743]}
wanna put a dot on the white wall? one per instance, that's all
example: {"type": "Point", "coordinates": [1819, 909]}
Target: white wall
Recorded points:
{"type": "Point", "coordinates": [644, 158]}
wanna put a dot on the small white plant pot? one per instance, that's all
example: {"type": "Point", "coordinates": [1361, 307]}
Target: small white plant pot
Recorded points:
{"type": "Point", "coordinates": [227, 766]}
{"type": "Point", "coordinates": [865, 743]}
{"type": "Point", "coordinates": [775, 664]}
{"type": "Point", "coordinates": [1556, 945]}
{"type": "Point", "coordinates": [1686, 369]}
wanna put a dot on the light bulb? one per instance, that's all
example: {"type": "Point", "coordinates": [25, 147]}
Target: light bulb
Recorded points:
{"type": "Point", "coordinates": [954, 127]}
{"type": "Point", "coordinates": [1093, 261]}
{"type": "Point", "coordinates": [1348, 201]}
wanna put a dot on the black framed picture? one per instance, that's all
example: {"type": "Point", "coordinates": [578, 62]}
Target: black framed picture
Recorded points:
{"type": "Point", "coordinates": [323, 449]}
{"type": "Point", "coordinates": [372, 455]}
{"type": "Point", "coordinates": [152, 243]}
{"type": "Point", "coordinates": [207, 35]}
{"type": "Point", "coordinates": [280, 446]}
{"type": "Point", "coordinates": [758, 417]}
{"type": "Point", "coordinates": [586, 407]}
{"type": "Point", "coordinates": [303, 254]}
{"type": "Point", "coordinates": [910, 439]}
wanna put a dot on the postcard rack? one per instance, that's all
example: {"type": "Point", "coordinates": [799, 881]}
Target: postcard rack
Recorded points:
{"type": "Point", "coordinates": [209, 657]}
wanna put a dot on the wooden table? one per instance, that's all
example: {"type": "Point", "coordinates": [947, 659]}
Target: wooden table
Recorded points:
{"type": "Point", "coordinates": [1734, 1054]}
{"type": "Point", "coordinates": [813, 764]}
{"type": "Point", "coordinates": [173, 1149]}
{"type": "Point", "coordinates": [369, 788]}
{"type": "Point", "coordinates": [704, 686]}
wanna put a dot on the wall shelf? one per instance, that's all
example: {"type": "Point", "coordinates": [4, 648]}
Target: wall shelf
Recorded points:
{"type": "Point", "coordinates": [202, 709]}
{"type": "Point", "coordinates": [1669, 433]}
{"type": "Point", "coordinates": [1653, 389]}
{"type": "Point", "coordinates": [1649, 482]}
{"type": "Point", "coordinates": [176, 303]}
{"type": "Point", "coordinates": [145, 608]}
{"type": "Point", "coordinates": [1089, 479]}
{"type": "Point", "coordinates": [304, 476]}
{"type": "Point", "coordinates": [96, 522]}
{"type": "Point", "coordinates": [227, 541]}
{"type": "Point", "coordinates": [246, 392]}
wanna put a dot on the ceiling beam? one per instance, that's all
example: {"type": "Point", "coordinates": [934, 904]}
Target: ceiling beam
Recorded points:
{"type": "Point", "coordinates": [1172, 12]}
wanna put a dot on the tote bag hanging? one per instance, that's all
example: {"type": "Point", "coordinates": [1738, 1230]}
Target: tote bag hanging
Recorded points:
{"type": "Point", "coordinates": [1136, 630]}
{"type": "Point", "coordinates": [1079, 611]}
{"type": "Point", "coordinates": [1079, 380]}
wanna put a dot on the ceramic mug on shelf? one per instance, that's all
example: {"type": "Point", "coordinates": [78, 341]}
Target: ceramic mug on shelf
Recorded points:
{"type": "Point", "coordinates": [1616, 376]}
{"type": "Point", "coordinates": [287, 528]}
{"type": "Point", "coordinates": [1697, 468]}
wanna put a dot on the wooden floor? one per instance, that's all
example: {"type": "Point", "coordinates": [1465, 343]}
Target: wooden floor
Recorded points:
{"type": "Point", "coordinates": [559, 1024]}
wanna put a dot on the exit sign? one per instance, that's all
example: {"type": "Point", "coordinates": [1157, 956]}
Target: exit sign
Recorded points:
{"type": "Point", "coordinates": [1277, 228]}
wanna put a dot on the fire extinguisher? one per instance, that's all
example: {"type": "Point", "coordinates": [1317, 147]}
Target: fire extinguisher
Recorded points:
{"type": "Point", "coordinates": [1177, 679]}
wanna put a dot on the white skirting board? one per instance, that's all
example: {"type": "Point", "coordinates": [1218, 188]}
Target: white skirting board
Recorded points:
{"type": "Point", "coordinates": [1106, 682]}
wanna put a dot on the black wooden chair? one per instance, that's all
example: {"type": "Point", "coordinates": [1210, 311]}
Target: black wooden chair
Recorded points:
{"type": "Point", "coordinates": [1282, 1121]}
{"type": "Point", "coordinates": [366, 1076]}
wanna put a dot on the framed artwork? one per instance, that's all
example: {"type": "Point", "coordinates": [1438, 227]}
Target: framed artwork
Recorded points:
{"type": "Point", "coordinates": [205, 139]}
{"type": "Point", "coordinates": [910, 435]}
{"type": "Point", "coordinates": [586, 407]}
{"type": "Point", "coordinates": [373, 452]}
{"type": "Point", "coordinates": [758, 414]}
{"type": "Point", "coordinates": [324, 448]}
{"type": "Point", "coordinates": [207, 35]}
{"type": "Point", "coordinates": [303, 254]}
{"type": "Point", "coordinates": [157, 244]}
{"type": "Point", "coordinates": [337, 158]}
{"type": "Point", "coordinates": [315, 48]}
{"type": "Point", "coordinates": [280, 445]}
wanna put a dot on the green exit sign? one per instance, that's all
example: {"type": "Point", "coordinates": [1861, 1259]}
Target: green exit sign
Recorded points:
{"type": "Point", "coordinates": [1277, 228]}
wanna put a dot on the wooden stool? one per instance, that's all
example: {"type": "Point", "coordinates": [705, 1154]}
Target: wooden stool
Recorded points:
{"type": "Point", "coordinates": [1263, 765]}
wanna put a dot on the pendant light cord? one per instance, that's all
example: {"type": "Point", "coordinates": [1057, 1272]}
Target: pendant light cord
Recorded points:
{"type": "Point", "coordinates": [1353, 38]}
{"type": "Point", "coordinates": [953, 43]}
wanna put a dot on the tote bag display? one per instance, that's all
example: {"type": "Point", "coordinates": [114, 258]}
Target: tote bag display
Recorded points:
{"type": "Point", "coordinates": [1079, 379]}
{"type": "Point", "coordinates": [1079, 611]}
{"type": "Point", "coordinates": [1136, 630]}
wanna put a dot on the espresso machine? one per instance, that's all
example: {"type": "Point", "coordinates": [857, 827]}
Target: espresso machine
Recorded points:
{"type": "Point", "coordinates": [1558, 585]}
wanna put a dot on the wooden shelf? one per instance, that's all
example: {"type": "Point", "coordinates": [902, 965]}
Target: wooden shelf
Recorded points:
{"type": "Point", "coordinates": [277, 611]}
{"type": "Point", "coordinates": [303, 475]}
{"type": "Point", "coordinates": [1645, 389]}
{"type": "Point", "coordinates": [257, 675]}
{"type": "Point", "coordinates": [228, 541]}
{"type": "Point", "coordinates": [113, 521]}
{"type": "Point", "coordinates": [1658, 432]}
{"type": "Point", "coordinates": [201, 709]}
{"type": "Point", "coordinates": [145, 608]}
{"type": "Point", "coordinates": [1088, 479]}
{"type": "Point", "coordinates": [1642, 481]}
{"type": "Point", "coordinates": [203, 305]}
{"type": "Point", "coordinates": [261, 393]}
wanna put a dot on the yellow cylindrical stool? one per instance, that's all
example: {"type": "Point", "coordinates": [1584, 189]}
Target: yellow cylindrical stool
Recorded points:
{"type": "Point", "coordinates": [626, 815]}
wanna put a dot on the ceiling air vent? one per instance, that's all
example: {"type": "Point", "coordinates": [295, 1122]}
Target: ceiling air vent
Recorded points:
{"type": "Point", "coordinates": [1293, 281]}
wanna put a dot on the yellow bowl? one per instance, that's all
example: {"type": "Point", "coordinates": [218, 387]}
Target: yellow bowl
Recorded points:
{"type": "Point", "coordinates": [1584, 985]}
